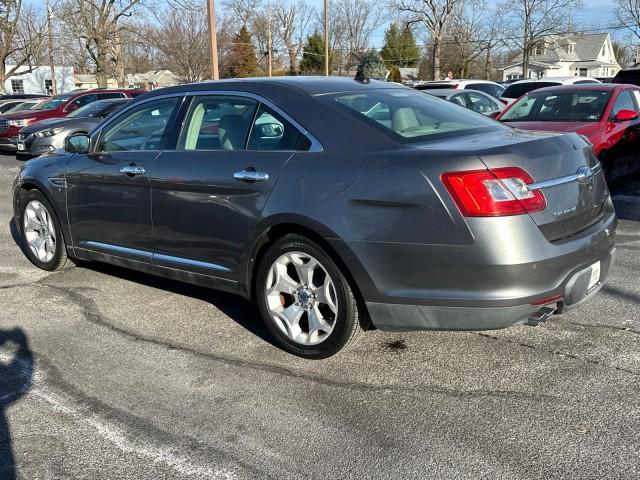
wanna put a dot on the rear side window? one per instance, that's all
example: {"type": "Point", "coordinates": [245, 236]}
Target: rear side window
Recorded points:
{"type": "Point", "coordinates": [140, 128]}
{"type": "Point", "coordinates": [81, 102]}
{"type": "Point", "coordinates": [104, 96]}
{"type": "Point", "coordinates": [408, 115]}
{"type": "Point", "coordinates": [627, 76]}
{"type": "Point", "coordinates": [489, 88]}
{"type": "Point", "coordinates": [217, 122]}
{"type": "Point", "coordinates": [518, 89]}
{"type": "Point", "coordinates": [270, 131]}
{"type": "Point", "coordinates": [481, 104]}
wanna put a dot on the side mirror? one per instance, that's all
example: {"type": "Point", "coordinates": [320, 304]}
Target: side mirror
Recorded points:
{"type": "Point", "coordinates": [77, 143]}
{"type": "Point", "coordinates": [495, 114]}
{"type": "Point", "coordinates": [626, 115]}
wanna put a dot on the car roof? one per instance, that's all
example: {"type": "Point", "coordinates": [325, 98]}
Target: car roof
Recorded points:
{"type": "Point", "coordinates": [312, 85]}
{"type": "Point", "coordinates": [585, 86]}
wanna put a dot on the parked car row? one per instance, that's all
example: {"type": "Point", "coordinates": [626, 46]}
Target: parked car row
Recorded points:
{"type": "Point", "coordinates": [37, 114]}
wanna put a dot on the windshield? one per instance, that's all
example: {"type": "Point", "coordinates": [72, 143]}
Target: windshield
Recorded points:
{"type": "Point", "coordinates": [582, 106]}
{"type": "Point", "coordinates": [518, 89]}
{"type": "Point", "coordinates": [93, 109]}
{"type": "Point", "coordinates": [20, 107]}
{"type": "Point", "coordinates": [408, 115]}
{"type": "Point", "coordinates": [53, 102]}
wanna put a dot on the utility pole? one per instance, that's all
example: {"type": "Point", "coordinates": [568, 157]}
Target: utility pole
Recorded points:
{"type": "Point", "coordinates": [213, 41]}
{"type": "Point", "coordinates": [54, 89]}
{"type": "Point", "coordinates": [326, 38]}
{"type": "Point", "coordinates": [269, 42]}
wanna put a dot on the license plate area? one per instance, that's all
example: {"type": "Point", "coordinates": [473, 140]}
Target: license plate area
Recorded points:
{"type": "Point", "coordinates": [594, 278]}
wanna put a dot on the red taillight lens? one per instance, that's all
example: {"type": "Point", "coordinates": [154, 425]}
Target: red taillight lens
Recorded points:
{"type": "Point", "coordinates": [493, 193]}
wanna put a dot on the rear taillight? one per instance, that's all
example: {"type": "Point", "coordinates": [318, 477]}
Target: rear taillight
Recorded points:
{"type": "Point", "coordinates": [493, 193]}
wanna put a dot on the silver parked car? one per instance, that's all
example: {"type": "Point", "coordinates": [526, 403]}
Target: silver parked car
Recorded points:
{"type": "Point", "coordinates": [48, 135]}
{"type": "Point", "coordinates": [473, 100]}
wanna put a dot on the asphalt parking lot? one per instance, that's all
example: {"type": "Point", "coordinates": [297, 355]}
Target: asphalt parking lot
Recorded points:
{"type": "Point", "coordinates": [109, 374]}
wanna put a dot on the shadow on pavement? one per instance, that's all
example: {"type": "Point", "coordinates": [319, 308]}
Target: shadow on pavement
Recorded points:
{"type": "Point", "coordinates": [241, 311]}
{"type": "Point", "coordinates": [625, 194]}
{"type": "Point", "coordinates": [15, 381]}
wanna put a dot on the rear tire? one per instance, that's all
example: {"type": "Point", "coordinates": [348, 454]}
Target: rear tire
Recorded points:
{"type": "Point", "coordinates": [305, 300]}
{"type": "Point", "coordinates": [41, 233]}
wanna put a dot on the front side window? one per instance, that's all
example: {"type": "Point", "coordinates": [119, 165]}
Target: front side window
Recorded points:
{"type": "Point", "coordinates": [271, 131]}
{"type": "Point", "coordinates": [412, 117]}
{"type": "Point", "coordinates": [216, 122]}
{"type": "Point", "coordinates": [81, 102]}
{"type": "Point", "coordinates": [623, 102]}
{"type": "Point", "coordinates": [140, 128]}
{"type": "Point", "coordinates": [568, 106]}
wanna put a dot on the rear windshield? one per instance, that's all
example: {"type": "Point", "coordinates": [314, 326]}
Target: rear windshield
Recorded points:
{"type": "Point", "coordinates": [53, 102]}
{"type": "Point", "coordinates": [583, 106]}
{"type": "Point", "coordinates": [433, 86]}
{"type": "Point", "coordinates": [516, 90]}
{"type": "Point", "coordinates": [410, 116]}
{"type": "Point", "coordinates": [627, 76]}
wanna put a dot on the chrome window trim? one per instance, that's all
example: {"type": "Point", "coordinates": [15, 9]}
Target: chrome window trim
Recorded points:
{"type": "Point", "coordinates": [95, 136]}
{"type": "Point", "coordinates": [316, 146]}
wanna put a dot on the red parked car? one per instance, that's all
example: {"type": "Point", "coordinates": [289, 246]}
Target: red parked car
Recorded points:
{"type": "Point", "coordinates": [54, 107]}
{"type": "Point", "coordinates": [606, 114]}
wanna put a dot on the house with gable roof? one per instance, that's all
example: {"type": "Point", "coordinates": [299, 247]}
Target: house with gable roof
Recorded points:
{"type": "Point", "coordinates": [567, 56]}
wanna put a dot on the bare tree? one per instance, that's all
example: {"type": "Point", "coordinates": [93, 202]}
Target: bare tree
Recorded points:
{"type": "Point", "coordinates": [360, 18]}
{"type": "Point", "coordinates": [182, 38]}
{"type": "Point", "coordinates": [628, 13]}
{"type": "Point", "coordinates": [21, 38]}
{"type": "Point", "coordinates": [243, 11]}
{"type": "Point", "coordinates": [435, 16]}
{"type": "Point", "coordinates": [535, 20]}
{"type": "Point", "coordinates": [99, 23]}
{"type": "Point", "coordinates": [494, 31]}
{"type": "Point", "coordinates": [292, 21]}
{"type": "Point", "coordinates": [466, 33]}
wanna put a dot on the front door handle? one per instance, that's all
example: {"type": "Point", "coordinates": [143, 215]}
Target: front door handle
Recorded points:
{"type": "Point", "coordinates": [132, 170]}
{"type": "Point", "coordinates": [251, 176]}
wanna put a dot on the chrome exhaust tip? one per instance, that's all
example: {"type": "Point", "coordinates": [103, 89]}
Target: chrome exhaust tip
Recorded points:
{"type": "Point", "coordinates": [541, 315]}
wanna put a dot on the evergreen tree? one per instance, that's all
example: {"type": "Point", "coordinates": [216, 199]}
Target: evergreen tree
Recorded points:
{"type": "Point", "coordinates": [400, 48]}
{"type": "Point", "coordinates": [371, 66]}
{"type": "Point", "coordinates": [313, 55]}
{"type": "Point", "coordinates": [242, 58]}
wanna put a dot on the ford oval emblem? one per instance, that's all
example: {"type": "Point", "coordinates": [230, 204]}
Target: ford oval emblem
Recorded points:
{"type": "Point", "coordinates": [584, 174]}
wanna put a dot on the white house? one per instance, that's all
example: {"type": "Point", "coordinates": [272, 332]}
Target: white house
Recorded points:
{"type": "Point", "coordinates": [568, 56]}
{"type": "Point", "coordinates": [39, 80]}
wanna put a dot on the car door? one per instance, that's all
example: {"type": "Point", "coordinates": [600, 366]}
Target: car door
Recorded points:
{"type": "Point", "coordinates": [207, 195]}
{"type": "Point", "coordinates": [621, 155]}
{"type": "Point", "coordinates": [108, 192]}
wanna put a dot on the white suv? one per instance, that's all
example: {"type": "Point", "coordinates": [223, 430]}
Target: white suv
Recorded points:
{"type": "Point", "coordinates": [486, 86]}
{"type": "Point", "coordinates": [517, 89]}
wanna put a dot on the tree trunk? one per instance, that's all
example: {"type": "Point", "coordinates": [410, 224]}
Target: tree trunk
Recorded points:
{"type": "Point", "coordinates": [293, 60]}
{"type": "Point", "coordinates": [525, 63]}
{"type": "Point", "coordinates": [436, 59]}
{"type": "Point", "coordinates": [3, 73]}
{"type": "Point", "coordinates": [487, 64]}
{"type": "Point", "coordinates": [118, 61]}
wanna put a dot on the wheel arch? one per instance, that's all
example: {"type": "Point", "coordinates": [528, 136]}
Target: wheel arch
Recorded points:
{"type": "Point", "coordinates": [326, 239]}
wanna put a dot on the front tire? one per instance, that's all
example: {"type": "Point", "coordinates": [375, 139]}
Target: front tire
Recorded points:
{"type": "Point", "coordinates": [305, 300]}
{"type": "Point", "coordinates": [41, 233]}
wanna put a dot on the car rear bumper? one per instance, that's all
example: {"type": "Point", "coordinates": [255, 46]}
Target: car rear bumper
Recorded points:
{"type": "Point", "coordinates": [398, 317]}
{"type": "Point", "coordinates": [507, 274]}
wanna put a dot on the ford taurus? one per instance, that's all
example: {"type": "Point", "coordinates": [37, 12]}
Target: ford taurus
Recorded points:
{"type": "Point", "coordinates": [336, 205]}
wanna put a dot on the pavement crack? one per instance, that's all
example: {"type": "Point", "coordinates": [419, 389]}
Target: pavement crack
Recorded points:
{"type": "Point", "coordinates": [559, 353]}
{"type": "Point", "coordinates": [92, 314]}
{"type": "Point", "coordinates": [607, 327]}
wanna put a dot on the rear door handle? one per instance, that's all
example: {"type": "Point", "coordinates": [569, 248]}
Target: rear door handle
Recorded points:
{"type": "Point", "coordinates": [132, 170]}
{"type": "Point", "coordinates": [251, 176]}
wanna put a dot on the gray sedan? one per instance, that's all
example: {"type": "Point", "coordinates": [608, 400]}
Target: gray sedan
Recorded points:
{"type": "Point", "coordinates": [47, 135]}
{"type": "Point", "coordinates": [336, 205]}
{"type": "Point", "coordinates": [477, 101]}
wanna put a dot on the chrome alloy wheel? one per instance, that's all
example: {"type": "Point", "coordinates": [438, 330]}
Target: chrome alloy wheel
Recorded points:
{"type": "Point", "coordinates": [301, 298]}
{"type": "Point", "coordinates": [39, 231]}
